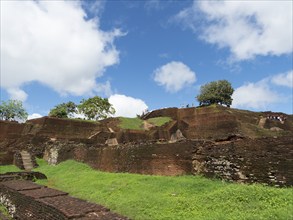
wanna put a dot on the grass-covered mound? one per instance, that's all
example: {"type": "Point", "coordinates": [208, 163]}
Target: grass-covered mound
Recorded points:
{"type": "Point", "coordinates": [138, 124]}
{"type": "Point", "coordinates": [160, 197]}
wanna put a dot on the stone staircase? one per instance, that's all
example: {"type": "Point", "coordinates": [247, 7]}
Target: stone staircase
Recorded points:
{"type": "Point", "coordinates": [26, 160]}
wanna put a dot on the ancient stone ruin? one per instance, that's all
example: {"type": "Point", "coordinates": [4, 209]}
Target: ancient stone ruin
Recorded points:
{"type": "Point", "coordinates": [216, 142]}
{"type": "Point", "coordinates": [220, 142]}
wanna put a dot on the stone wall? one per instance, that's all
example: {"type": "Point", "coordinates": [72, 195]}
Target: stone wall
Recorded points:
{"type": "Point", "coordinates": [10, 130]}
{"type": "Point", "coordinates": [144, 158]}
{"type": "Point", "coordinates": [223, 142]}
{"type": "Point", "coordinates": [64, 128]}
{"type": "Point", "coordinates": [26, 200]}
{"type": "Point", "coordinates": [266, 160]}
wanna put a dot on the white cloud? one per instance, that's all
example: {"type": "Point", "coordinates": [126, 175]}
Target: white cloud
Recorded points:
{"type": "Point", "coordinates": [51, 42]}
{"type": "Point", "coordinates": [283, 79]}
{"type": "Point", "coordinates": [33, 116]}
{"type": "Point", "coordinates": [105, 88]}
{"type": "Point", "coordinates": [127, 106]}
{"type": "Point", "coordinates": [17, 94]}
{"type": "Point", "coordinates": [174, 76]}
{"type": "Point", "coordinates": [255, 95]}
{"type": "Point", "coordinates": [247, 28]}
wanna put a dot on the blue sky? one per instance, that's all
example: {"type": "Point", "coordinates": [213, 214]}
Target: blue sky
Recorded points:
{"type": "Point", "coordinates": [146, 54]}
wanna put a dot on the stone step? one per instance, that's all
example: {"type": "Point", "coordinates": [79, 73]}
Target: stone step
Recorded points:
{"type": "Point", "coordinates": [27, 164]}
{"type": "Point", "coordinates": [28, 167]}
{"type": "Point", "coordinates": [27, 159]}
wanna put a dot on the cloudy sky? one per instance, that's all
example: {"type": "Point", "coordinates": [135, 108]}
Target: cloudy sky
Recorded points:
{"type": "Point", "coordinates": [146, 54]}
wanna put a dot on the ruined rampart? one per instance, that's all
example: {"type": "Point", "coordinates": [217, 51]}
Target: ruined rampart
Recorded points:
{"type": "Point", "coordinates": [231, 144]}
{"type": "Point", "coordinates": [265, 160]}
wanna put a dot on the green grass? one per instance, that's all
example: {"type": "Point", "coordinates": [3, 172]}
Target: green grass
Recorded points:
{"type": "Point", "coordinates": [137, 123]}
{"type": "Point", "coordinates": [4, 211]}
{"type": "Point", "coordinates": [160, 197]}
{"type": "Point", "coordinates": [8, 168]}
{"type": "Point", "coordinates": [159, 121]}
{"type": "Point", "coordinates": [131, 123]}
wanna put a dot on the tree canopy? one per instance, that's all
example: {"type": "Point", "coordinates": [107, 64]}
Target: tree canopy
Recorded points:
{"type": "Point", "coordinates": [216, 92]}
{"type": "Point", "coordinates": [96, 108]}
{"type": "Point", "coordinates": [93, 109]}
{"type": "Point", "coordinates": [63, 110]}
{"type": "Point", "coordinates": [12, 110]}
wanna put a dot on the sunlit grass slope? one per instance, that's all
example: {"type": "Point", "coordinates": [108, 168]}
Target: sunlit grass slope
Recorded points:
{"type": "Point", "coordinates": [137, 123]}
{"type": "Point", "coordinates": [158, 197]}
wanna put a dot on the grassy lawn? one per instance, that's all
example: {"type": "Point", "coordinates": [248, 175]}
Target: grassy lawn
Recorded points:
{"type": "Point", "coordinates": [8, 168]}
{"type": "Point", "coordinates": [131, 123]}
{"type": "Point", "coordinates": [137, 123]}
{"type": "Point", "coordinates": [159, 121]}
{"type": "Point", "coordinates": [158, 197]}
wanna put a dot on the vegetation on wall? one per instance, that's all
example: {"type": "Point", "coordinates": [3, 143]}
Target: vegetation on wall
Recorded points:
{"type": "Point", "coordinates": [63, 110]}
{"type": "Point", "coordinates": [137, 123]}
{"type": "Point", "coordinates": [96, 108]}
{"type": "Point", "coordinates": [4, 212]}
{"type": "Point", "coordinates": [131, 123]}
{"type": "Point", "coordinates": [92, 109]}
{"type": "Point", "coordinates": [159, 121]}
{"type": "Point", "coordinates": [12, 110]}
{"type": "Point", "coordinates": [216, 92]}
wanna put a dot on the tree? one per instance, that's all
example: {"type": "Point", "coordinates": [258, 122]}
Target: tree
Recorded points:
{"type": "Point", "coordinates": [12, 110]}
{"type": "Point", "coordinates": [216, 92]}
{"type": "Point", "coordinates": [96, 108]}
{"type": "Point", "coordinates": [64, 110]}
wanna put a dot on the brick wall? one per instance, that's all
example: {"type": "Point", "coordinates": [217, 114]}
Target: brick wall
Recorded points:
{"type": "Point", "coordinates": [263, 160]}
{"type": "Point", "coordinates": [26, 200]}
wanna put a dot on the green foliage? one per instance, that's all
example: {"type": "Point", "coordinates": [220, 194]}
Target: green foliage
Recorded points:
{"type": "Point", "coordinates": [64, 110]}
{"type": "Point", "coordinates": [159, 121]}
{"type": "Point", "coordinates": [4, 212]}
{"type": "Point", "coordinates": [96, 108]}
{"type": "Point", "coordinates": [216, 92]}
{"type": "Point", "coordinates": [131, 123]}
{"type": "Point", "coordinates": [12, 110]}
{"type": "Point", "coordinates": [93, 108]}
{"type": "Point", "coordinates": [162, 197]}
